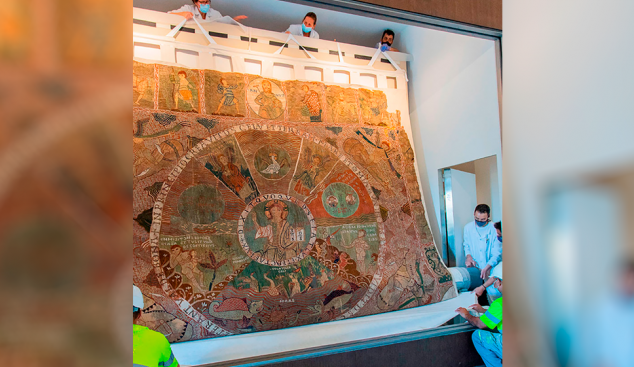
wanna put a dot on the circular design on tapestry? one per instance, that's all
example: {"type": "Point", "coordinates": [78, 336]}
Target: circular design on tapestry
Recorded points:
{"type": "Point", "coordinates": [277, 230]}
{"type": "Point", "coordinates": [340, 200]}
{"type": "Point", "coordinates": [231, 238]}
{"type": "Point", "coordinates": [272, 162]}
{"type": "Point", "coordinates": [266, 98]}
{"type": "Point", "coordinates": [201, 204]}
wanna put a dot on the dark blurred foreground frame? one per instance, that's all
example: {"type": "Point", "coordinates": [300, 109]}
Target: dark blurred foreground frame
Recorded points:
{"type": "Point", "coordinates": [588, 239]}
{"type": "Point", "coordinates": [65, 183]}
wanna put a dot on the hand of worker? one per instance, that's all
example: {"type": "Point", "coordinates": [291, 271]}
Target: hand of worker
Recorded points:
{"type": "Point", "coordinates": [470, 263]}
{"type": "Point", "coordinates": [479, 290]}
{"type": "Point", "coordinates": [485, 272]}
{"type": "Point", "coordinates": [478, 308]}
{"type": "Point", "coordinates": [188, 15]}
{"type": "Point", "coordinates": [240, 17]}
{"type": "Point", "coordinates": [462, 311]}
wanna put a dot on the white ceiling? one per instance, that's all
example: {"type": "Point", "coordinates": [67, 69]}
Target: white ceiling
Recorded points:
{"type": "Point", "coordinates": [276, 15]}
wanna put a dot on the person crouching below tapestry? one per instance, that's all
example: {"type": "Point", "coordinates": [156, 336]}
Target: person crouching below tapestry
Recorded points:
{"type": "Point", "coordinates": [307, 28]}
{"type": "Point", "coordinates": [279, 245]}
{"type": "Point", "coordinates": [488, 343]}
{"type": "Point", "coordinates": [488, 286]}
{"type": "Point", "coordinates": [151, 348]}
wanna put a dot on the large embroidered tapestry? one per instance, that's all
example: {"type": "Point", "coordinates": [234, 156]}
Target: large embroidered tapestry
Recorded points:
{"type": "Point", "coordinates": [261, 204]}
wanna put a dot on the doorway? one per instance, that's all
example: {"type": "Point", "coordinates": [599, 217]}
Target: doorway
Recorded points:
{"type": "Point", "coordinates": [462, 187]}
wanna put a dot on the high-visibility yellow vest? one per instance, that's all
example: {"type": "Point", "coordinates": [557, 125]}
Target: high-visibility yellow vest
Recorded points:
{"type": "Point", "coordinates": [151, 349]}
{"type": "Point", "coordinates": [493, 317]}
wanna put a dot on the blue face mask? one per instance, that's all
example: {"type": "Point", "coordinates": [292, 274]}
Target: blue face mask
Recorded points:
{"type": "Point", "coordinates": [500, 238]}
{"type": "Point", "coordinates": [481, 224]}
{"type": "Point", "coordinates": [306, 29]}
{"type": "Point", "coordinates": [204, 8]}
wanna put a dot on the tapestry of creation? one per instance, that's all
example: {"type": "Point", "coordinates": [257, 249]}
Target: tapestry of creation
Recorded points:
{"type": "Point", "coordinates": [262, 204]}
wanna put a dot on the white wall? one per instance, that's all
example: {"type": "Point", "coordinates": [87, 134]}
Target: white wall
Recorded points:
{"type": "Point", "coordinates": [454, 108]}
{"type": "Point", "coordinates": [571, 113]}
{"type": "Point", "coordinates": [463, 188]}
{"type": "Point", "coordinates": [568, 116]}
{"type": "Point", "coordinates": [487, 185]}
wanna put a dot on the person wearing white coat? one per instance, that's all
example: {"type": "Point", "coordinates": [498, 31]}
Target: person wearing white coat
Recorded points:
{"type": "Point", "coordinates": [307, 28]}
{"type": "Point", "coordinates": [482, 248]}
{"type": "Point", "coordinates": [202, 11]}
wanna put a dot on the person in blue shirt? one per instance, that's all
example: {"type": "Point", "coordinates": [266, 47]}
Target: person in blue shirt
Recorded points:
{"type": "Point", "coordinates": [498, 230]}
{"type": "Point", "coordinates": [491, 292]}
{"type": "Point", "coordinates": [482, 248]}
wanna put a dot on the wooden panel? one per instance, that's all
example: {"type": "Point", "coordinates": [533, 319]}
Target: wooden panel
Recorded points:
{"type": "Point", "coordinates": [485, 13]}
{"type": "Point", "coordinates": [448, 350]}
{"type": "Point", "coordinates": [448, 345]}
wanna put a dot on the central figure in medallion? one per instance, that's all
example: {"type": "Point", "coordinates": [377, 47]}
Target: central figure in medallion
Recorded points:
{"type": "Point", "coordinates": [277, 230]}
{"type": "Point", "coordinates": [282, 240]}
